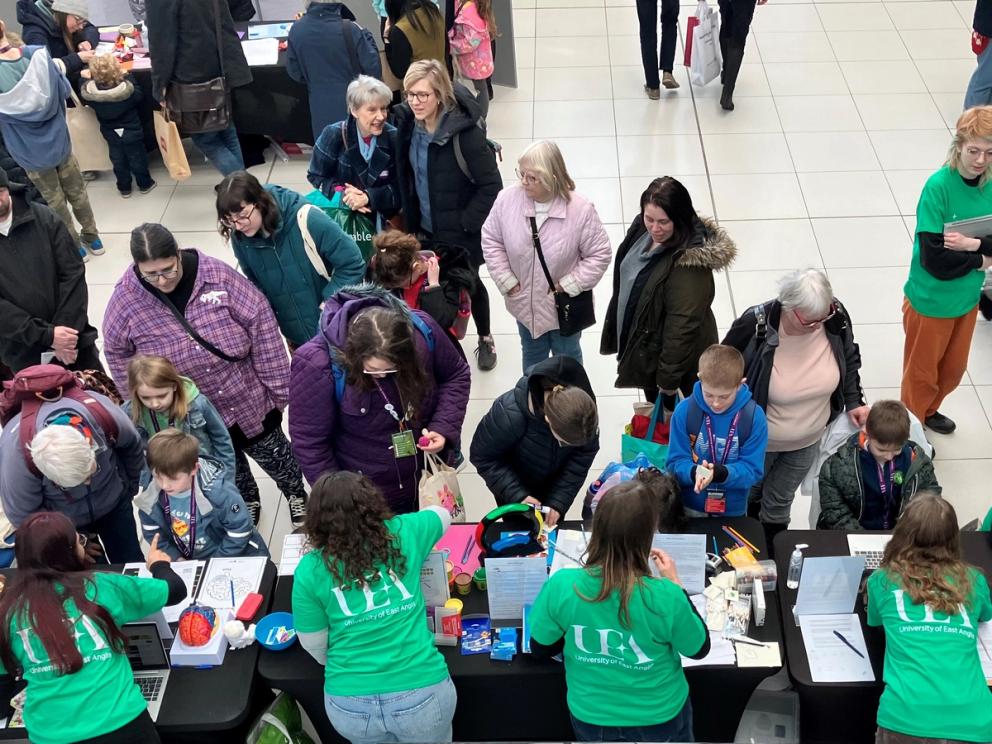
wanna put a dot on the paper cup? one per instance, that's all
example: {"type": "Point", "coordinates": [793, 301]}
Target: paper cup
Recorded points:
{"type": "Point", "coordinates": [463, 583]}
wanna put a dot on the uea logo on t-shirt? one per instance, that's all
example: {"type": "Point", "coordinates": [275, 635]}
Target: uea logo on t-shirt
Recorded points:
{"type": "Point", "coordinates": [354, 601]}
{"type": "Point", "coordinates": [82, 626]}
{"type": "Point", "coordinates": [607, 644]}
{"type": "Point", "coordinates": [928, 616]}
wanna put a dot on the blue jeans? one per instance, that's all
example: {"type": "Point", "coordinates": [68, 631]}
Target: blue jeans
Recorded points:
{"type": "Point", "coordinates": [222, 149]}
{"type": "Point", "coordinates": [551, 343]}
{"type": "Point", "coordinates": [980, 86]}
{"type": "Point", "coordinates": [677, 729]}
{"type": "Point", "coordinates": [420, 715]}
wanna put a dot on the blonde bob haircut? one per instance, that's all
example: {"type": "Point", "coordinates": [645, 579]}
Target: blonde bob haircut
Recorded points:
{"type": "Point", "coordinates": [544, 160]}
{"type": "Point", "coordinates": [973, 124]}
{"type": "Point", "coordinates": [434, 73]}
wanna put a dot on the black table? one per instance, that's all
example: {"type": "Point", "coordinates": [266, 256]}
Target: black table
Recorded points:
{"type": "Point", "coordinates": [525, 699]}
{"type": "Point", "coordinates": [842, 711]}
{"type": "Point", "coordinates": [216, 700]}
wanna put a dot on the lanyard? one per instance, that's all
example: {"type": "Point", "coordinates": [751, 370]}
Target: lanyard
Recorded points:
{"type": "Point", "coordinates": [155, 426]}
{"type": "Point", "coordinates": [390, 408]}
{"type": "Point", "coordinates": [884, 484]}
{"type": "Point", "coordinates": [728, 443]}
{"type": "Point", "coordinates": [186, 548]}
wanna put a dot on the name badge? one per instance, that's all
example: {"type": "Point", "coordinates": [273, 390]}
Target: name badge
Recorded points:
{"type": "Point", "coordinates": [716, 501]}
{"type": "Point", "coordinates": [403, 444]}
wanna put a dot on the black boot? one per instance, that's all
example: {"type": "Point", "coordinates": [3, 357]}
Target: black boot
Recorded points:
{"type": "Point", "coordinates": [770, 531]}
{"type": "Point", "coordinates": [723, 56]}
{"type": "Point", "coordinates": [731, 68]}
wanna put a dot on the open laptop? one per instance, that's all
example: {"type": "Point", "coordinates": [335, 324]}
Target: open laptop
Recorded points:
{"type": "Point", "coordinates": [149, 662]}
{"type": "Point", "coordinates": [870, 546]}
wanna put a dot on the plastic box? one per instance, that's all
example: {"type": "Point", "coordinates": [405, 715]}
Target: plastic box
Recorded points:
{"type": "Point", "coordinates": [770, 718]}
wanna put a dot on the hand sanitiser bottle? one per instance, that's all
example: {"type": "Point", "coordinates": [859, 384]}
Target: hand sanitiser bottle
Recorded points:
{"type": "Point", "coordinates": [795, 566]}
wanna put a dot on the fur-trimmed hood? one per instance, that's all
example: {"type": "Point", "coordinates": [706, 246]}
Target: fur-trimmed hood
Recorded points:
{"type": "Point", "coordinates": [120, 92]}
{"type": "Point", "coordinates": [710, 248]}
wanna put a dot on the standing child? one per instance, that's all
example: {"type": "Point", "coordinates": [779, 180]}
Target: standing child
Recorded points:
{"type": "Point", "coordinates": [718, 438]}
{"type": "Point", "coordinates": [115, 98]}
{"type": "Point", "coordinates": [471, 46]}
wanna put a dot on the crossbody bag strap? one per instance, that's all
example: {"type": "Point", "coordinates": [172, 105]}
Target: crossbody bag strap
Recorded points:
{"type": "Point", "coordinates": [540, 253]}
{"type": "Point", "coordinates": [349, 42]}
{"type": "Point", "coordinates": [220, 51]}
{"type": "Point", "coordinates": [192, 331]}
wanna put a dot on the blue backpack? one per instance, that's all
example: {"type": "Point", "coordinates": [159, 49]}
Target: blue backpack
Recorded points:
{"type": "Point", "coordinates": [694, 421]}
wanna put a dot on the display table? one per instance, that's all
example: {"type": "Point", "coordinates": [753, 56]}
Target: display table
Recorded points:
{"type": "Point", "coordinates": [525, 699]}
{"type": "Point", "coordinates": [856, 702]}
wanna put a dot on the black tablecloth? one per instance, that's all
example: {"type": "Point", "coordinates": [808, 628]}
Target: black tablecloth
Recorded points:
{"type": "Point", "coordinates": [215, 700]}
{"type": "Point", "coordinates": [525, 699]}
{"type": "Point", "coordinates": [842, 711]}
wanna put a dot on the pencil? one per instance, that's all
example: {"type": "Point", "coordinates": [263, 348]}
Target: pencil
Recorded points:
{"type": "Point", "coordinates": [468, 549]}
{"type": "Point", "coordinates": [744, 539]}
{"type": "Point", "coordinates": [733, 537]}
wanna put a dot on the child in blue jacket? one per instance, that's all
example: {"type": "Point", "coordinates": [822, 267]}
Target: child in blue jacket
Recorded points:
{"type": "Point", "coordinates": [718, 438]}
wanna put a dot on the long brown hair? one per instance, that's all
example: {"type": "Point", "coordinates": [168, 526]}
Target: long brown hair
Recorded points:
{"type": "Point", "coordinates": [156, 372]}
{"type": "Point", "coordinates": [924, 555]}
{"type": "Point", "coordinates": [387, 333]}
{"type": "Point", "coordinates": [50, 574]}
{"type": "Point", "coordinates": [346, 522]}
{"type": "Point", "coordinates": [622, 531]}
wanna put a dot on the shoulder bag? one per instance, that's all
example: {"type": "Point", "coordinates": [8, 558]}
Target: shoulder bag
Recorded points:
{"type": "Point", "coordinates": [575, 314]}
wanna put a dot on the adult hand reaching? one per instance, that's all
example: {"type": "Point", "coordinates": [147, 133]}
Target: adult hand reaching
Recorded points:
{"type": "Point", "coordinates": [155, 555]}
{"type": "Point", "coordinates": [859, 416]}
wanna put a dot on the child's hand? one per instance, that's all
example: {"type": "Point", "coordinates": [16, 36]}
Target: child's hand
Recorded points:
{"type": "Point", "coordinates": [433, 272]}
{"type": "Point", "coordinates": [704, 476]}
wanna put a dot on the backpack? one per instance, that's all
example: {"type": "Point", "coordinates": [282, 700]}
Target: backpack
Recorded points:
{"type": "Point", "coordinates": [694, 421]}
{"type": "Point", "coordinates": [496, 147]}
{"type": "Point", "coordinates": [48, 383]}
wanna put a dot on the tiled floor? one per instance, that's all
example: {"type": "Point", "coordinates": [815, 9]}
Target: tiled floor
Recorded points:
{"type": "Point", "coordinates": [843, 110]}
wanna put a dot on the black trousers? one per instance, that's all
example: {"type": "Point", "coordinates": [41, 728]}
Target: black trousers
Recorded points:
{"type": "Point", "coordinates": [735, 22]}
{"type": "Point", "coordinates": [647, 11]}
{"type": "Point", "coordinates": [118, 533]}
{"type": "Point", "coordinates": [128, 156]}
{"type": "Point", "coordinates": [272, 451]}
{"type": "Point", "coordinates": [140, 731]}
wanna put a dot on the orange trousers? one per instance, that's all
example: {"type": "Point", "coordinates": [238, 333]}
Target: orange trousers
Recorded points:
{"type": "Point", "coordinates": [934, 357]}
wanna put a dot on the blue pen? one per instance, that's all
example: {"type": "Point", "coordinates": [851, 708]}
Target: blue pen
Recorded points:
{"type": "Point", "coordinates": [234, 605]}
{"type": "Point", "coordinates": [716, 550]}
{"type": "Point", "coordinates": [849, 644]}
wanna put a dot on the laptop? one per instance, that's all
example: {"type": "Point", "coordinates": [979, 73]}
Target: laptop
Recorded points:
{"type": "Point", "coordinates": [870, 546]}
{"type": "Point", "coordinates": [149, 662]}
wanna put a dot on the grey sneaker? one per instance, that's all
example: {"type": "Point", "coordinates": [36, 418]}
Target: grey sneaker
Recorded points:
{"type": "Point", "coordinates": [653, 93]}
{"type": "Point", "coordinates": [297, 510]}
{"type": "Point", "coordinates": [485, 353]}
{"type": "Point", "coordinates": [669, 81]}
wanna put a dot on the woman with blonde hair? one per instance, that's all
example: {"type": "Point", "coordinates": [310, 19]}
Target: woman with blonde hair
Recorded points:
{"type": "Point", "coordinates": [544, 212]}
{"type": "Point", "coordinates": [930, 602]}
{"type": "Point", "coordinates": [448, 177]}
{"type": "Point", "coordinates": [947, 272]}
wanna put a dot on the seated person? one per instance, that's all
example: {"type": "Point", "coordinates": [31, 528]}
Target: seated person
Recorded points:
{"type": "Point", "coordinates": [668, 494]}
{"type": "Point", "coordinates": [192, 504]}
{"type": "Point", "coordinates": [867, 483]}
{"type": "Point", "coordinates": [538, 441]}
{"type": "Point", "coordinates": [718, 437]}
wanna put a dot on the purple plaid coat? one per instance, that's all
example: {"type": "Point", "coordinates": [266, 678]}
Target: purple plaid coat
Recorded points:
{"type": "Point", "coordinates": [226, 310]}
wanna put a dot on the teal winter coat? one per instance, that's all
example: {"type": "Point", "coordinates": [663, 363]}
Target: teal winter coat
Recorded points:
{"type": "Point", "coordinates": [278, 265]}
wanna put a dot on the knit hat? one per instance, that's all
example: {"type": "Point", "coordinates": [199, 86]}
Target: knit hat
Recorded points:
{"type": "Point", "coordinates": [79, 8]}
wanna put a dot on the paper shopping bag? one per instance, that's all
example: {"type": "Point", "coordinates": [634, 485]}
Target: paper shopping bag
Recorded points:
{"type": "Point", "coordinates": [439, 487]}
{"type": "Point", "coordinates": [88, 145]}
{"type": "Point", "coordinates": [690, 25]}
{"type": "Point", "coordinates": [706, 58]}
{"type": "Point", "coordinates": [170, 144]}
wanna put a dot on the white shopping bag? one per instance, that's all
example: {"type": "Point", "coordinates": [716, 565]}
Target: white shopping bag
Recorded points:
{"type": "Point", "coordinates": [706, 59]}
{"type": "Point", "coordinates": [439, 487]}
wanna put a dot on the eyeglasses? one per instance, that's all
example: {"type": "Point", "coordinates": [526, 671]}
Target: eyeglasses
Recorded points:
{"type": "Point", "coordinates": [813, 323]}
{"type": "Point", "coordinates": [526, 178]}
{"type": "Point", "coordinates": [154, 276]}
{"type": "Point", "coordinates": [380, 372]}
{"type": "Point", "coordinates": [417, 95]}
{"type": "Point", "coordinates": [241, 219]}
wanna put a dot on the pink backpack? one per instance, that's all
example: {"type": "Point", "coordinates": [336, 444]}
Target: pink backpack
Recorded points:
{"type": "Point", "coordinates": [471, 44]}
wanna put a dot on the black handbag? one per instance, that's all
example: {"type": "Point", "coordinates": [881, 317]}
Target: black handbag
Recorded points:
{"type": "Point", "coordinates": [574, 313]}
{"type": "Point", "coordinates": [201, 107]}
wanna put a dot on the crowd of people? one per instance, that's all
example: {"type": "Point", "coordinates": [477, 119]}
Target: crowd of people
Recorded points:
{"type": "Point", "coordinates": [365, 358]}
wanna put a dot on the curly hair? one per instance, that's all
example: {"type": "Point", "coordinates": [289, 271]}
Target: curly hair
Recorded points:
{"type": "Point", "coordinates": [346, 522]}
{"type": "Point", "coordinates": [106, 70]}
{"type": "Point", "coordinates": [392, 262]}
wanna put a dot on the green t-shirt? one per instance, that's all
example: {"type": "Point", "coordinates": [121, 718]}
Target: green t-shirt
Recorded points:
{"type": "Point", "coordinates": [377, 636]}
{"type": "Point", "coordinates": [945, 198]}
{"type": "Point", "coordinates": [619, 676]}
{"type": "Point", "coordinates": [101, 697]}
{"type": "Point", "coordinates": [934, 685]}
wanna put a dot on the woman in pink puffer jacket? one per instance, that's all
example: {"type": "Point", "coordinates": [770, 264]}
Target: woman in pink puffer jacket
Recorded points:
{"type": "Point", "coordinates": [573, 240]}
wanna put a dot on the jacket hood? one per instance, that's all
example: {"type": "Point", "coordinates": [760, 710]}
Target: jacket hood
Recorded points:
{"type": "Point", "coordinates": [28, 11]}
{"type": "Point", "coordinates": [558, 370]}
{"type": "Point", "coordinates": [37, 96]}
{"type": "Point", "coordinates": [342, 306]}
{"type": "Point", "coordinates": [469, 15]}
{"type": "Point", "coordinates": [742, 399]}
{"type": "Point", "coordinates": [464, 115]}
{"type": "Point", "coordinates": [120, 92]}
{"type": "Point", "coordinates": [322, 9]}
{"type": "Point", "coordinates": [289, 202]}
{"type": "Point", "coordinates": [711, 248]}
{"type": "Point", "coordinates": [19, 204]}
{"type": "Point", "coordinates": [210, 473]}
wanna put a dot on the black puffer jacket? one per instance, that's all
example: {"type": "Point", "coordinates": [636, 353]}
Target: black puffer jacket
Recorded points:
{"type": "Point", "coordinates": [459, 205]}
{"type": "Point", "coordinates": [39, 28]}
{"type": "Point", "coordinates": [514, 450]}
{"type": "Point", "coordinates": [16, 174]}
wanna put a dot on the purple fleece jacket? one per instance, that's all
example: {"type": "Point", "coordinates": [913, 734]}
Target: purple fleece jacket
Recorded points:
{"type": "Point", "coordinates": [354, 433]}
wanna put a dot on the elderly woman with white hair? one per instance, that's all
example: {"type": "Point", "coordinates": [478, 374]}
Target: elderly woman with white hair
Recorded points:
{"type": "Point", "coordinates": [543, 209]}
{"type": "Point", "coordinates": [358, 155]}
{"type": "Point", "coordinates": [803, 367]}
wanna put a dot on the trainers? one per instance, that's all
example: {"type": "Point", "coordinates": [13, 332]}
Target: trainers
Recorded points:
{"type": "Point", "coordinates": [125, 194]}
{"type": "Point", "coordinates": [669, 81]}
{"type": "Point", "coordinates": [148, 188]}
{"type": "Point", "coordinates": [90, 175]}
{"type": "Point", "coordinates": [939, 423]}
{"type": "Point", "coordinates": [96, 247]}
{"type": "Point", "coordinates": [485, 353]}
{"type": "Point", "coordinates": [254, 510]}
{"type": "Point", "coordinates": [83, 254]}
{"type": "Point", "coordinates": [653, 93]}
{"type": "Point", "coordinates": [297, 510]}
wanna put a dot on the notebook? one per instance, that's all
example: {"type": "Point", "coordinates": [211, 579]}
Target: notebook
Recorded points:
{"type": "Point", "coordinates": [149, 662]}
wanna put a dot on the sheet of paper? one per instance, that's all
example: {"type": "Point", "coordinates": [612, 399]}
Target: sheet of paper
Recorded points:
{"type": "Point", "coordinates": [244, 574]}
{"type": "Point", "coordinates": [260, 52]}
{"type": "Point", "coordinates": [689, 554]}
{"type": "Point", "coordinates": [434, 580]}
{"type": "Point", "coordinates": [830, 659]}
{"type": "Point", "coordinates": [985, 649]}
{"type": "Point", "coordinates": [270, 30]}
{"type": "Point", "coordinates": [765, 655]}
{"type": "Point", "coordinates": [294, 547]}
{"type": "Point", "coordinates": [191, 572]}
{"type": "Point", "coordinates": [141, 63]}
{"type": "Point", "coordinates": [513, 583]}
{"type": "Point", "coordinates": [721, 653]}
{"type": "Point", "coordinates": [829, 586]}
{"type": "Point", "coordinates": [569, 550]}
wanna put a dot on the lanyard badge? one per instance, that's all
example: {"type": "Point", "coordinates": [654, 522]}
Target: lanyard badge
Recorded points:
{"type": "Point", "coordinates": [186, 547]}
{"type": "Point", "coordinates": [716, 499]}
{"type": "Point", "coordinates": [403, 444]}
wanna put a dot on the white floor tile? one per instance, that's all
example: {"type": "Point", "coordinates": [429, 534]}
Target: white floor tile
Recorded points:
{"type": "Point", "coordinates": [573, 51]}
{"type": "Point", "coordinates": [191, 208]}
{"type": "Point", "coordinates": [578, 84]}
{"type": "Point", "coordinates": [898, 111]}
{"type": "Point", "coordinates": [980, 359]}
{"type": "Point", "coordinates": [850, 242]}
{"type": "Point", "coordinates": [946, 75]}
{"type": "Point", "coordinates": [524, 90]}
{"type": "Point", "coordinates": [524, 23]}
{"type": "Point", "coordinates": [847, 194]}
{"type": "Point", "coordinates": [867, 45]}
{"type": "Point", "coordinates": [881, 348]}
{"type": "Point", "coordinates": [605, 194]}
{"type": "Point", "coordinates": [512, 120]}
{"type": "Point", "coordinates": [854, 17]}
{"type": "Point", "coordinates": [818, 113]}
{"type": "Point", "coordinates": [958, 478]}
{"type": "Point", "coordinates": [752, 81]}
{"type": "Point", "coordinates": [883, 77]}
{"type": "Point", "coordinates": [924, 15]}
{"type": "Point", "coordinates": [794, 46]}
{"type": "Point", "coordinates": [673, 115]}
{"type": "Point", "coordinates": [632, 187]}
{"type": "Point", "coordinates": [590, 157]}
{"type": "Point", "coordinates": [805, 79]}
{"type": "Point", "coordinates": [912, 150]}
{"type": "Point", "coordinates": [938, 43]}
{"type": "Point", "coordinates": [747, 153]}
{"type": "Point", "coordinates": [765, 245]}
{"type": "Point", "coordinates": [573, 119]}
{"type": "Point", "coordinates": [950, 106]}
{"type": "Point", "coordinates": [832, 151]}
{"type": "Point", "coordinates": [906, 187]}
{"type": "Point", "coordinates": [783, 17]}
{"type": "Point", "coordinates": [765, 196]}
{"type": "Point", "coordinates": [570, 22]}
{"type": "Point", "coordinates": [871, 295]}
{"type": "Point", "coordinates": [749, 115]}
{"type": "Point", "coordinates": [973, 436]}
{"type": "Point", "coordinates": [752, 287]}
{"type": "Point", "coordinates": [676, 154]}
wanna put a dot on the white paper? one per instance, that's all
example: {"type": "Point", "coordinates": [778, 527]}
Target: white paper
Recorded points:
{"type": "Point", "coordinates": [434, 580]}
{"type": "Point", "coordinates": [765, 655]}
{"type": "Point", "coordinates": [830, 659]}
{"type": "Point", "coordinates": [191, 572]}
{"type": "Point", "coordinates": [689, 554]}
{"type": "Point", "coordinates": [985, 649]}
{"type": "Point", "coordinates": [294, 547]}
{"type": "Point", "coordinates": [570, 548]}
{"type": "Point", "coordinates": [244, 574]}
{"type": "Point", "coordinates": [513, 583]}
{"type": "Point", "coordinates": [141, 63]}
{"type": "Point", "coordinates": [269, 30]}
{"type": "Point", "coordinates": [259, 52]}
{"type": "Point", "coordinates": [721, 652]}
{"type": "Point", "coordinates": [829, 586]}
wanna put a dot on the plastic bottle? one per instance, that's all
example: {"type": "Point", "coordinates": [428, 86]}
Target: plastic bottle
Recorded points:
{"type": "Point", "coordinates": [795, 566]}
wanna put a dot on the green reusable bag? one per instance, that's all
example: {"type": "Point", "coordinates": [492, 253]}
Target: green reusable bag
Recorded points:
{"type": "Point", "coordinates": [356, 225]}
{"type": "Point", "coordinates": [631, 446]}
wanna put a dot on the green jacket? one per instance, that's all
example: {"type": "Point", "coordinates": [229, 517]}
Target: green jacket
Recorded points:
{"type": "Point", "coordinates": [842, 495]}
{"type": "Point", "coordinates": [278, 265]}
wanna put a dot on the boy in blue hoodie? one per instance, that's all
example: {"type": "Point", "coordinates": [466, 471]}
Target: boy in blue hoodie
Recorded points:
{"type": "Point", "coordinates": [718, 438]}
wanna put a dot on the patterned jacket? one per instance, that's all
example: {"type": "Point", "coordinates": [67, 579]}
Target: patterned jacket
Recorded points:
{"type": "Point", "coordinates": [226, 310]}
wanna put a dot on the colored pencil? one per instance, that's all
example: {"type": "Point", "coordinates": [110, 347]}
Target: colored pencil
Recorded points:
{"type": "Point", "coordinates": [744, 539]}
{"type": "Point", "coordinates": [733, 537]}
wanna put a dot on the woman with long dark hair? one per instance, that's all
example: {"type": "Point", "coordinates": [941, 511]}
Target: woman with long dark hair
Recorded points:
{"type": "Point", "coordinates": [929, 601]}
{"type": "Point", "coordinates": [620, 629]}
{"type": "Point", "coordinates": [414, 31]}
{"type": "Point", "coordinates": [60, 630]}
{"type": "Point", "coordinates": [385, 680]}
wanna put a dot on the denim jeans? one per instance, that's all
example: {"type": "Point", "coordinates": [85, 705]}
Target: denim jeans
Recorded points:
{"type": "Point", "coordinates": [980, 86]}
{"type": "Point", "coordinates": [784, 473]}
{"type": "Point", "coordinates": [420, 715]}
{"type": "Point", "coordinates": [222, 149]}
{"type": "Point", "coordinates": [128, 155]}
{"type": "Point", "coordinates": [647, 11]}
{"type": "Point", "coordinates": [886, 736]}
{"type": "Point", "coordinates": [548, 344]}
{"type": "Point", "coordinates": [677, 729]}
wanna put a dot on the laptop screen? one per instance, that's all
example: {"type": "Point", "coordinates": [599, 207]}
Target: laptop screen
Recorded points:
{"type": "Point", "coordinates": [144, 647]}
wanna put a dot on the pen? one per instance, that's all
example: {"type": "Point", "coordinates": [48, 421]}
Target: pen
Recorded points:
{"type": "Point", "coordinates": [234, 604]}
{"type": "Point", "coordinates": [572, 558]}
{"type": "Point", "coordinates": [747, 641]}
{"type": "Point", "coordinates": [468, 548]}
{"type": "Point", "coordinates": [849, 644]}
{"type": "Point", "coordinates": [716, 550]}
